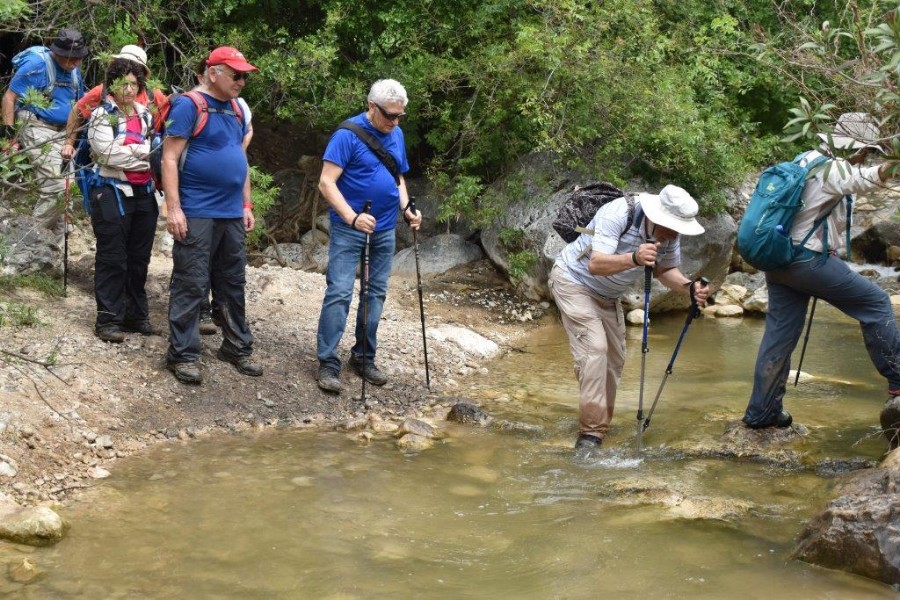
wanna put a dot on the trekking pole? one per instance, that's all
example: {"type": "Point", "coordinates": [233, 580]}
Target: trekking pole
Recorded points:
{"type": "Point", "coordinates": [68, 197]}
{"type": "Point", "coordinates": [693, 313]}
{"type": "Point", "coordinates": [648, 275]}
{"type": "Point", "coordinates": [412, 206]}
{"type": "Point", "coordinates": [364, 294]}
{"type": "Point", "coordinates": [812, 311]}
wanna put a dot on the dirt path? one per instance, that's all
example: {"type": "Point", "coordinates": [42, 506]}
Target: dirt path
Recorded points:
{"type": "Point", "coordinates": [71, 405]}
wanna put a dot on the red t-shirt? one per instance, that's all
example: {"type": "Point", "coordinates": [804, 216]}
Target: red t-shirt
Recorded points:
{"type": "Point", "coordinates": [134, 134]}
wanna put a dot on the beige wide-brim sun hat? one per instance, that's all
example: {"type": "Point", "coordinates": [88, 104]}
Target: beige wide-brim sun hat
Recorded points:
{"type": "Point", "coordinates": [854, 131]}
{"type": "Point", "coordinates": [134, 54]}
{"type": "Point", "coordinates": [673, 209]}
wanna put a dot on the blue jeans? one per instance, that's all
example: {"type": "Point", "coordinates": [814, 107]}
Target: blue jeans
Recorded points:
{"type": "Point", "coordinates": [345, 251]}
{"type": "Point", "coordinates": [790, 288]}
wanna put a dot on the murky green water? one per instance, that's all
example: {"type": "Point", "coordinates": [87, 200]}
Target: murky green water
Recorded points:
{"type": "Point", "coordinates": [490, 514]}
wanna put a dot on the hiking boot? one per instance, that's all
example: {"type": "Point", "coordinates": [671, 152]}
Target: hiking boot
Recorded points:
{"type": "Point", "coordinates": [784, 419]}
{"type": "Point", "coordinates": [141, 327]}
{"type": "Point", "coordinates": [585, 445]}
{"type": "Point", "coordinates": [890, 421]}
{"type": "Point", "coordinates": [110, 333]}
{"type": "Point", "coordinates": [329, 380]}
{"type": "Point", "coordinates": [186, 372]}
{"type": "Point", "coordinates": [207, 326]}
{"type": "Point", "coordinates": [374, 375]}
{"type": "Point", "coordinates": [244, 364]}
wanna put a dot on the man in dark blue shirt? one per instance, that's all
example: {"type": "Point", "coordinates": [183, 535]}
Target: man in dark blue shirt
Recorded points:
{"type": "Point", "coordinates": [53, 72]}
{"type": "Point", "coordinates": [207, 185]}
{"type": "Point", "coordinates": [353, 174]}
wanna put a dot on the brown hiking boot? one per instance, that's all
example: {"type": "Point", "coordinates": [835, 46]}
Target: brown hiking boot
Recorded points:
{"type": "Point", "coordinates": [374, 375]}
{"type": "Point", "coordinates": [890, 421]}
{"type": "Point", "coordinates": [244, 364]}
{"type": "Point", "coordinates": [207, 325]}
{"type": "Point", "coordinates": [110, 333]}
{"type": "Point", "coordinates": [186, 372]}
{"type": "Point", "coordinates": [329, 379]}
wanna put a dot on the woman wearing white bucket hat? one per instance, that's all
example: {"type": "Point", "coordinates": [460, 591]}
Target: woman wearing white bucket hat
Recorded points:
{"type": "Point", "coordinates": [594, 271]}
{"type": "Point", "coordinates": [82, 109]}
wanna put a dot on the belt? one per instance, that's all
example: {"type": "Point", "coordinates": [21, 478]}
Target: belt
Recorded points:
{"type": "Point", "coordinates": [45, 122]}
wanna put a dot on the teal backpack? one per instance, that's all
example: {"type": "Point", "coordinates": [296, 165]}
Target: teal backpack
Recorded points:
{"type": "Point", "coordinates": [764, 236]}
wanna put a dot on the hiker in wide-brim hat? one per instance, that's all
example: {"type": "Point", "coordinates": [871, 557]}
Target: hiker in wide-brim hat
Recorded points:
{"type": "Point", "coordinates": [820, 228]}
{"type": "Point", "coordinates": [631, 237]}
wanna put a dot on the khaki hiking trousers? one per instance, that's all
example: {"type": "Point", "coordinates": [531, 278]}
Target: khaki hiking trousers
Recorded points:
{"type": "Point", "coordinates": [596, 329]}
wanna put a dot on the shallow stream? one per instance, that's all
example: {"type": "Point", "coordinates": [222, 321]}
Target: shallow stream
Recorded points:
{"type": "Point", "coordinates": [489, 513]}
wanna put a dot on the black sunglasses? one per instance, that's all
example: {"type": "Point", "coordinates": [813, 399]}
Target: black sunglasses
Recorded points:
{"type": "Point", "coordinates": [235, 76]}
{"type": "Point", "coordinates": [389, 116]}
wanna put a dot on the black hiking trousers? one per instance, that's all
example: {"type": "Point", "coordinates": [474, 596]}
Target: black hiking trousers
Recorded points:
{"type": "Point", "coordinates": [124, 242]}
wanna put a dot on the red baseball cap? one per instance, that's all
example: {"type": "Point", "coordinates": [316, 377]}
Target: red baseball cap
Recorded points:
{"type": "Point", "coordinates": [226, 55]}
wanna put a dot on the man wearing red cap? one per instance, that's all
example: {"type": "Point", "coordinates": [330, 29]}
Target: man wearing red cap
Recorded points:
{"type": "Point", "coordinates": [207, 186]}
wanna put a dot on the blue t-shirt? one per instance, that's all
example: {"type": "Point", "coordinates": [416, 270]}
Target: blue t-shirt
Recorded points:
{"type": "Point", "coordinates": [33, 74]}
{"type": "Point", "coordinates": [211, 182]}
{"type": "Point", "coordinates": [364, 176]}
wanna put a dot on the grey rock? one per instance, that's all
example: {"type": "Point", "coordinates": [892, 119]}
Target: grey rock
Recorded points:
{"type": "Point", "coordinates": [436, 255]}
{"type": "Point", "coordinates": [469, 414]}
{"type": "Point", "coordinates": [417, 427]}
{"type": "Point", "coordinates": [414, 442]}
{"type": "Point", "coordinates": [33, 525]}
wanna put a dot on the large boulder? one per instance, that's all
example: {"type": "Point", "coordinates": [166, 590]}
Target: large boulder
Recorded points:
{"type": "Point", "coordinates": [859, 531]}
{"type": "Point", "coordinates": [873, 244]}
{"type": "Point", "coordinates": [707, 255]}
{"type": "Point", "coordinates": [436, 255]}
{"type": "Point", "coordinates": [30, 525]}
{"type": "Point", "coordinates": [28, 247]}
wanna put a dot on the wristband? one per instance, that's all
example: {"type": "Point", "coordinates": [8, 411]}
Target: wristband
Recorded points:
{"type": "Point", "coordinates": [353, 222]}
{"type": "Point", "coordinates": [248, 205]}
{"type": "Point", "coordinates": [634, 259]}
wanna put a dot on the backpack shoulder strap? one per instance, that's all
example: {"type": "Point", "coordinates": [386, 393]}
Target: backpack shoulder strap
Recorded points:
{"type": "Point", "coordinates": [202, 107]}
{"type": "Point", "coordinates": [386, 158]}
{"type": "Point", "coordinates": [51, 69]}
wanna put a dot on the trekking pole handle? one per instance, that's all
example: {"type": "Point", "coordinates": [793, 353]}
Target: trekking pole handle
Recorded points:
{"type": "Point", "coordinates": [367, 207]}
{"type": "Point", "coordinates": [704, 282]}
{"type": "Point", "coordinates": [412, 205]}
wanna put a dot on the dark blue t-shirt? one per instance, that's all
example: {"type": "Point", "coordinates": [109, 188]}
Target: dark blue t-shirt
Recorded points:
{"type": "Point", "coordinates": [365, 177]}
{"type": "Point", "coordinates": [211, 183]}
{"type": "Point", "coordinates": [67, 89]}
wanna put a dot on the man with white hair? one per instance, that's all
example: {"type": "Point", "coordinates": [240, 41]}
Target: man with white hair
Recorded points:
{"type": "Point", "coordinates": [364, 161]}
{"type": "Point", "coordinates": [593, 272]}
{"type": "Point", "coordinates": [817, 272]}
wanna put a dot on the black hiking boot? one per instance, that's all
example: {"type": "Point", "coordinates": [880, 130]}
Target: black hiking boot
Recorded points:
{"type": "Point", "coordinates": [329, 380]}
{"type": "Point", "coordinates": [784, 419]}
{"type": "Point", "coordinates": [244, 364]}
{"type": "Point", "coordinates": [186, 372]}
{"type": "Point", "coordinates": [585, 446]}
{"type": "Point", "coordinates": [207, 325]}
{"type": "Point", "coordinates": [141, 327]}
{"type": "Point", "coordinates": [890, 421]}
{"type": "Point", "coordinates": [110, 333]}
{"type": "Point", "coordinates": [374, 375]}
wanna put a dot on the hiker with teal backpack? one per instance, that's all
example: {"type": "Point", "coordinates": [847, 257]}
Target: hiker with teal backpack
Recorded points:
{"type": "Point", "coordinates": [811, 231]}
{"type": "Point", "coordinates": [39, 129]}
{"type": "Point", "coordinates": [121, 203]}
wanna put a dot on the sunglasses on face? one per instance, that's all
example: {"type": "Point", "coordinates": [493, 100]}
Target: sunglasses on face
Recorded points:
{"type": "Point", "coordinates": [387, 115]}
{"type": "Point", "coordinates": [235, 76]}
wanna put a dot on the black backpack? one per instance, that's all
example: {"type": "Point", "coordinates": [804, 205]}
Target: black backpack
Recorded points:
{"type": "Point", "coordinates": [582, 204]}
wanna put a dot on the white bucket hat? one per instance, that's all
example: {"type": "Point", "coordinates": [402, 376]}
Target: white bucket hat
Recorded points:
{"type": "Point", "coordinates": [854, 131]}
{"type": "Point", "coordinates": [134, 54]}
{"type": "Point", "coordinates": [673, 209]}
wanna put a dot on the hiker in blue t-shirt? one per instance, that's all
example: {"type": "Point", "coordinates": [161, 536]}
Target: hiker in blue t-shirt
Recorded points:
{"type": "Point", "coordinates": [41, 128]}
{"type": "Point", "coordinates": [352, 174]}
{"type": "Point", "coordinates": [817, 272]}
{"type": "Point", "coordinates": [207, 186]}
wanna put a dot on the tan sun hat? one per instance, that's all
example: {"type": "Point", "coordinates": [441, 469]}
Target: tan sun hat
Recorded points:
{"type": "Point", "coordinates": [134, 54]}
{"type": "Point", "coordinates": [855, 131]}
{"type": "Point", "coordinates": [673, 209]}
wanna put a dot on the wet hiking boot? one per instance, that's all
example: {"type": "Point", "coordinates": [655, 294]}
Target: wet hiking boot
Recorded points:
{"type": "Point", "coordinates": [329, 380]}
{"type": "Point", "coordinates": [110, 333]}
{"type": "Point", "coordinates": [374, 375]}
{"type": "Point", "coordinates": [890, 421]}
{"type": "Point", "coordinates": [186, 372]}
{"type": "Point", "coordinates": [244, 364]}
{"type": "Point", "coordinates": [207, 325]}
{"type": "Point", "coordinates": [784, 419]}
{"type": "Point", "coordinates": [585, 446]}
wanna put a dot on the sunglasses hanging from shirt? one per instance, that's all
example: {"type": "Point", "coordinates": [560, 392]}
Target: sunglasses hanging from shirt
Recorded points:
{"type": "Point", "coordinates": [386, 158]}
